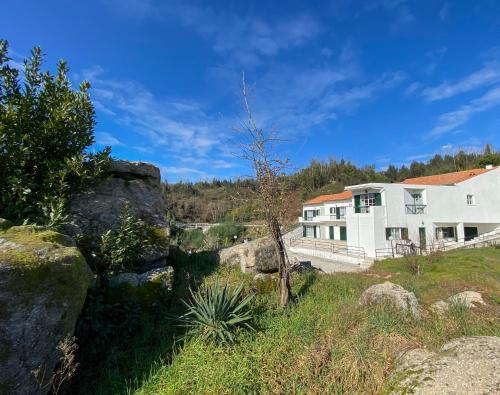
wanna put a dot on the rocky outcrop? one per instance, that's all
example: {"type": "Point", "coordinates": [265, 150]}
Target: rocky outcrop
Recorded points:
{"type": "Point", "coordinates": [257, 256]}
{"type": "Point", "coordinates": [467, 299]}
{"type": "Point", "coordinates": [163, 276]}
{"type": "Point", "coordinates": [134, 183]}
{"type": "Point", "coordinates": [468, 365]}
{"type": "Point", "coordinates": [392, 294]}
{"type": "Point", "coordinates": [43, 284]}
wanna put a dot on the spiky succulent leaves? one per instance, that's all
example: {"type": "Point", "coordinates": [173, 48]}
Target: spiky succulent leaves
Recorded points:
{"type": "Point", "coordinates": [215, 312]}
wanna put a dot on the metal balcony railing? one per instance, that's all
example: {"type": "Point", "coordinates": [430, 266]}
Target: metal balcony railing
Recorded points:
{"type": "Point", "coordinates": [362, 209]}
{"type": "Point", "coordinates": [415, 208]}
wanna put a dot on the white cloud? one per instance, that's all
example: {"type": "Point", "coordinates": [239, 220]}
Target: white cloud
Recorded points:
{"type": "Point", "coordinates": [444, 11]}
{"type": "Point", "coordinates": [451, 120]}
{"type": "Point", "coordinates": [399, 8]}
{"type": "Point", "coordinates": [412, 88]}
{"type": "Point", "coordinates": [105, 138]}
{"type": "Point", "coordinates": [488, 74]}
{"type": "Point", "coordinates": [172, 125]}
{"type": "Point", "coordinates": [181, 173]}
{"type": "Point", "coordinates": [244, 39]}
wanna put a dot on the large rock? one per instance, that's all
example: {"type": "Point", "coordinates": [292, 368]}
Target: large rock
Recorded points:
{"type": "Point", "coordinates": [164, 276]}
{"type": "Point", "coordinates": [43, 284]}
{"type": "Point", "coordinates": [468, 299]}
{"type": "Point", "coordinates": [392, 294]}
{"type": "Point", "coordinates": [134, 183]}
{"type": "Point", "coordinates": [257, 256]}
{"type": "Point", "coordinates": [468, 365]}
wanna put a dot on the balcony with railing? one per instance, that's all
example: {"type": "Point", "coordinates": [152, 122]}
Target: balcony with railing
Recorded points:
{"type": "Point", "coordinates": [363, 209]}
{"type": "Point", "coordinates": [416, 208]}
{"type": "Point", "coordinates": [323, 218]}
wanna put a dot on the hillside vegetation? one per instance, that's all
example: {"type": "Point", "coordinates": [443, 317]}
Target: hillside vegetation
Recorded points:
{"type": "Point", "coordinates": [219, 200]}
{"type": "Point", "coordinates": [323, 343]}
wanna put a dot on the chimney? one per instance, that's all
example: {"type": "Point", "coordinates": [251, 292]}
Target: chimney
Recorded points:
{"type": "Point", "coordinates": [489, 167]}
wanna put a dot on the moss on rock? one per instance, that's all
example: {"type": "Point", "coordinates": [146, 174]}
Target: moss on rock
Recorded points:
{"type": "Point", "coordinates": [5, 224]}
{"type": "Point", "coordinates": [43, 283]}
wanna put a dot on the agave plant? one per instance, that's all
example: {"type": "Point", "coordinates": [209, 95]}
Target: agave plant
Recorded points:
{"type": "Point", "coordinates": [215, 312]}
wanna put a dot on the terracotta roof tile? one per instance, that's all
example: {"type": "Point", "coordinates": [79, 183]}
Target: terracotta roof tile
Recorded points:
{"type": "Point", "coordinates": [330, 198]}
{"type": "Point", "coordinates": [447, 178]}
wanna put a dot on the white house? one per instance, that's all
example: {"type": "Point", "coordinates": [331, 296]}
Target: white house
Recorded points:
{"type": "Point", "coordinates": [419, 211]}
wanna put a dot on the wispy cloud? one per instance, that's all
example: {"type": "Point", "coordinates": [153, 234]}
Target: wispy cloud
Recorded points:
{"type": "Point", "coordinates": [167, 124]}
{"type": "Point", "coordinates": [444, 11]}
{"type": "Point", "coordinates": [451, 120]}
{"type": "Point", "coordinates": [399, 8]}
{"type": "Point", "coordinates": [245, 40]}
{"type": "Point", "coordinates": [105, 138]}
{"type": "Point", "coordinates": [180, 173]}
{"type": "Point", "coordinates": [487, 75]}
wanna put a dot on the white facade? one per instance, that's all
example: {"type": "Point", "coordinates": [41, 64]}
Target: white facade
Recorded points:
{"type": "Point", "coordinates": [379, 214]}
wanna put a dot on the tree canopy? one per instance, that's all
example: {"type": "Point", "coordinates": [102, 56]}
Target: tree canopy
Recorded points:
{"type": "Point", "coordinates": [45, 130]}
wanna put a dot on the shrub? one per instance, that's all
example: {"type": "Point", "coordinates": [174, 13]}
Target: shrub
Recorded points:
{"type": "Point", "coordinates": [45, 130]}
{"type": "Point", "coordinates": [192, 239]}
{"type": "Point", "coordinates": [124, 249]}
{"type": "Point", "coordinates": [224, 233]}
{"type": "Point", "coordinates": [215, 312]}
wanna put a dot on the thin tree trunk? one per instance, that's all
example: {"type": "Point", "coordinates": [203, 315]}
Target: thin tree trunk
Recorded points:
{"type": "Point", "coordinates": [284, 274]}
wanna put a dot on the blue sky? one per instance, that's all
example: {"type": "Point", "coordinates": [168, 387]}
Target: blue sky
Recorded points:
{"type": "Point", "coordinates": [375, 82]}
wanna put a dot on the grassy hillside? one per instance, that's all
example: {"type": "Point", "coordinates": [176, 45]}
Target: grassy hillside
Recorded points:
{"type": "Point", "coordinates": [323, 343]}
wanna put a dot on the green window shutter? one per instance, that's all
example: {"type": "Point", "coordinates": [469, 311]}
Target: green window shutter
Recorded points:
{"type": "Point", "coordinates": [331, 232]}
{"type": "Point", "coordinates": [303, 231]}
{"type": "Point", "coordinates": [387, 233]}
{"type": "Point", "coordinates": [357, 203]}
{"type": "Point", "coordinates": [314, 232]}
{"type": "Point", "coordinates": [338, 213]}
{"type": "Point", "coordinates": [378, 199]}
{"type": "Point", "coordinates": [404, 233]}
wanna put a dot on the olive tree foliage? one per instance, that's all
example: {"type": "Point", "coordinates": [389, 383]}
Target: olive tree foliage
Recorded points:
{"type": "Point", "coordinates": [257, 146]}
{"type": "Point", "coordinates": [45, 130]}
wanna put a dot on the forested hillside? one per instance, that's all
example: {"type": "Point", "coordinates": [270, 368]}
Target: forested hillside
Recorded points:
{"type": "Point", "coordinates": [218, 200]}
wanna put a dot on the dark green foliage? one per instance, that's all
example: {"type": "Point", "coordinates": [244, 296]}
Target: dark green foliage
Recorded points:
{"type": "Point", "coordinates": [45, 129]}
{"type": "Point", "coordinates": [215, 312]}
{"type": "Point", "coordinates": [124, 249]}
{"type": "Point", "coordinates": [103, 320]}
{"type": "Point", "coordinates": [225, 232]}
{"type": "Point", "coordinates": [192, 239]}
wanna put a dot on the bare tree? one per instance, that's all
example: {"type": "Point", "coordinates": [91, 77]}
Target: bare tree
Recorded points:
{"type": "Point", "coordinates": [257, 147]}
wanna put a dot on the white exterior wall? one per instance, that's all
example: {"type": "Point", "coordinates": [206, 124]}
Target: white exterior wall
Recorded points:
{"type": "Point", "coordinates": [325, 219]}
{"type": "Point", "coordinates": [445, 206]}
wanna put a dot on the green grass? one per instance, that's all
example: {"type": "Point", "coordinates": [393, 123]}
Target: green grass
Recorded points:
{"type": "Point", "coordinates": [324, 342]}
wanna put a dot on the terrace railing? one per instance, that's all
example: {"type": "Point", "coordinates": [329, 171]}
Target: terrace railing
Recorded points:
{"type": "Point", "coordinates": [416, 208]}
{"type": "Point", "coordinates": [325, 245]}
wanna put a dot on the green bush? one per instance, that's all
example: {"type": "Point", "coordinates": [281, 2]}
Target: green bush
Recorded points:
{"type": "Point", "coordinates": [225, 232]}
{"type": "Point", "coordinates": [192, 239]}
{"type": "Point", "coordinates": [45, 130]}
{"type": "Point", "coordinates": [216, 312]}
{"type": "Point", "coordinates": [124, 249]}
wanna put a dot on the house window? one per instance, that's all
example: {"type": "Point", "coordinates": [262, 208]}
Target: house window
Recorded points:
{"type": "Point", "coordinates": [363, 202]}
{"type": "Point", "coordinates": [447, 232]}
{"type": "Point", "coordinates": [368, 199]}
{"type": "Point", "coordinates": [470, 200]}
{"type": "Point", "coordinates": [309, 231]}
{"type": "Point", "coordinates": [396, 233]}
{"type": "Point", "coordinates": [332, 210]}
{"type": "Point", "coordinates": [417, 198]}
{"type": "Point", "coordinates": [309, 214]}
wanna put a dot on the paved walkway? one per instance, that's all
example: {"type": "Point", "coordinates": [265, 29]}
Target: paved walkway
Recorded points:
{"type": "Point", "coordinates": [325, 265]}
